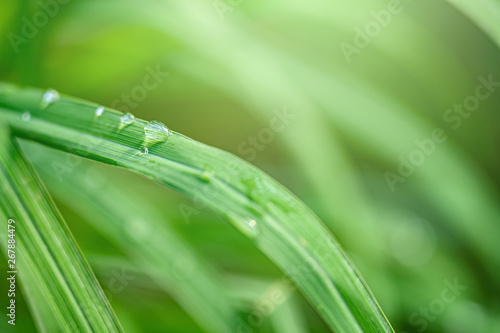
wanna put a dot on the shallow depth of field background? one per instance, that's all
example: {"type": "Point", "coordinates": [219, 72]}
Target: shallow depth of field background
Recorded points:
{"type": "Point", "coordinates": [232, 67]}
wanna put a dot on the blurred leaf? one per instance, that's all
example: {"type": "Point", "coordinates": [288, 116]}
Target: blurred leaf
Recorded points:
{"type": "Point", "coordinates": [484, 13]}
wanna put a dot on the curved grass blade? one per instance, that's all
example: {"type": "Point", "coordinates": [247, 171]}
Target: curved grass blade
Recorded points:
{"type": "Point", "coordinates": [315, 164]}
{"type": "Point", "coordinates": [460, 198]}
{"type": "Point", "coordinates": [48, 249]}
{"type": "Point", "coordinates": [280, 225]}
{"type": "Point", "coordinates": [139, 229]}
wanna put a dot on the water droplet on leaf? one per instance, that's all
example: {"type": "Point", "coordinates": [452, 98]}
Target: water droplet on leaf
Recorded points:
{"type": "Point", "coordinates": [49, 97]}
{"type": "Point", "coordinates": [252, 224]}
{"type": "Point", "coordinates": [125, 120]}
{"type": "Point", "coordinates": [99, 111]}
{"type": "Point", "coordinates": [26, 116]}
{"type": "Point", "coordinates": [155, 132]}
{"type": "Point", "coordinates": [247, 226]}
{"type": "Point", "coordinates": [252, 227]}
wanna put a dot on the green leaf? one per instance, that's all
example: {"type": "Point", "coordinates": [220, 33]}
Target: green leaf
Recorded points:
{"type": "Point", "coordinates": [39, 307]}
{"type": "Point", "coordinates": [47, 248]}
{"type": "Point", "coordinates": [280, 225]}
{"type": "Point", "coordinates": [139, 229]}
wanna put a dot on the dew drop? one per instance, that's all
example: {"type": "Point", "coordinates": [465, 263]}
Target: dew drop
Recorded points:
{"type": "Point", "coordinates": [49, 97]}
{"type": "Point", "coordinates": [142, 152]}
{"type": "Point", "coordinates": [99, 111]}
{"type": "Point", "coordinates": [252, 228]}
{"type": "Point", "coordinates": [125, 120]}
{"type": "Point", "coordinates": [26, 116]}
{"type": "Point", "coordinates": [248, 226]}
{"type": "Point", "coordinates": [155, 132]}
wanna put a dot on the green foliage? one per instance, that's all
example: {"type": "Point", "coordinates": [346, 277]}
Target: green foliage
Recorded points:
{"type": "Point", "coordinates": [47, 252]}
{"type": "Point", "coordinates": [225, 73]}
{"type": "Point", "coordinates": [279, 224]}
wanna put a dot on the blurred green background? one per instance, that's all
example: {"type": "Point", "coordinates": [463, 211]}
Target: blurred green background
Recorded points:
{"type": "Point", "coordinates": [235, 65]}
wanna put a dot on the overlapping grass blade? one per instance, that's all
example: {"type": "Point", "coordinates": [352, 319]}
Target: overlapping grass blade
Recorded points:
{"type": "Point", "coordinates": [345, 106]}
{"type": "Point", "coordinates": [279, 224]}
{"type": "Point", "coordinates": [48, 249]}
{"type": "Point", "coordinates": [138, 228]}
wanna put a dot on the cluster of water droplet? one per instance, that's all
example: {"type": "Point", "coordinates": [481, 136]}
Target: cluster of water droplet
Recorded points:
{"type": "Point", "coordinates": [49, 96]}
{"type": "Point", "coordinates": [154, 131]}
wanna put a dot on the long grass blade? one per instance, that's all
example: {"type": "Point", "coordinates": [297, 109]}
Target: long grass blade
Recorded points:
{"type": "Point", "coordinates": [280, 225]}
{"type": "Point", "coordinates": [39, 307]}
{"type": "Point", "coordinates": [48, 248]}
{"type": "Point", "coordinates": [139, 229]}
